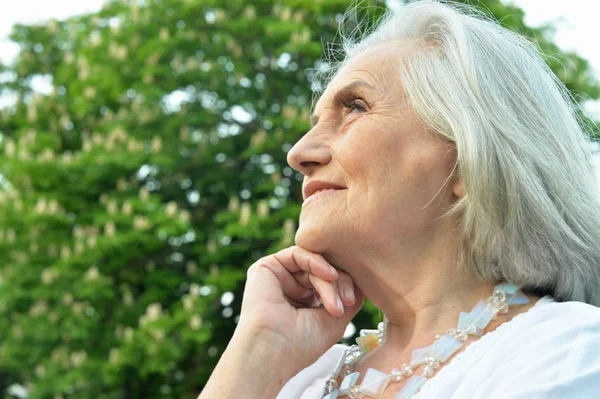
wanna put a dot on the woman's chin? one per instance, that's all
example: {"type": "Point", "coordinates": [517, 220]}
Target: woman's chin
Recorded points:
{"type": "Point", "coordinates": [315, 240]}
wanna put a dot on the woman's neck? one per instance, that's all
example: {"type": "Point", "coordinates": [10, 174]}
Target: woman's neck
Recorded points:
{"type": "Point", "coordinates": [402, 338]}
{"type": "Point", "coordinates": [416, 283]}
{"type": "Point", "coordinates": [421, 314]}
{"type": "Point", "coordinates": [421, 296]}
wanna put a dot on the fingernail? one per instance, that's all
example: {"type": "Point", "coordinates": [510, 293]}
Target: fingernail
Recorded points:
{"type": "Point", "coordinates": [333, 271]}
{"type": "Point", "coordinates": [349, 294]}
{"type": "Point", "coordinates": [340, 305]}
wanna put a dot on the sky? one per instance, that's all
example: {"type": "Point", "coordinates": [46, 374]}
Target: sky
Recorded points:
{"type": "Point", "coordinates": [577, 29]}
{"type": "Point", "coordinates": [32, 11]}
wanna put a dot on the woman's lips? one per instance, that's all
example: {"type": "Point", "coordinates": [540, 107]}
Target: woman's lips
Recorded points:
{"type": "Point", "coordinates": [321, 194]}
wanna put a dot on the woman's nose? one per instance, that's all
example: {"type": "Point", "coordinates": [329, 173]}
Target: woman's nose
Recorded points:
{"type": "Point", "coordinates": [308, 154]}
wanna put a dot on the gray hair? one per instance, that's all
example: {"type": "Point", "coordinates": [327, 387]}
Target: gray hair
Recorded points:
{"type": "Point", "coordinates": [531, 211]}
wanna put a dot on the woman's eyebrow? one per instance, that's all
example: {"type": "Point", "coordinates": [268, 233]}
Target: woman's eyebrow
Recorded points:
{"type": "Point", "coordinates": [350, 87]}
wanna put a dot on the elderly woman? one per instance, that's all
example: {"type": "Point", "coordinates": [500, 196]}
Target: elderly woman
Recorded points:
{"type": "Point", "coordinates": [447, 179]}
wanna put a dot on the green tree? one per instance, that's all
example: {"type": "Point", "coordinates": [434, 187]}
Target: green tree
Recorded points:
{"type": "Point", "coordinates": [136, 193]}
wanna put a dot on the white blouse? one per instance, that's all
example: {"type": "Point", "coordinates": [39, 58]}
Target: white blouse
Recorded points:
{"type": "Point", "coordinates": [551, 351]}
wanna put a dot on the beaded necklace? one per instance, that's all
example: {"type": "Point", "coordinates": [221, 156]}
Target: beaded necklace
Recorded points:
{"type": "Point", "coordinates": [427, 359]}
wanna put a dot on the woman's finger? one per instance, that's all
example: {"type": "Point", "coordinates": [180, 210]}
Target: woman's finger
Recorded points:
{"type": "Point", "coordinates": [311, 301]}
{"type": "Point", "coordinates": [320, 290]}
{"type": "Point", "coordinates": [299, 270]}
{"type": "Point", "coordinates": [328, 292]}
{"type": "Point", "coordinates": [302, 279]}
{"type": "Point", "coordinates": [345, 286]}
{"type": "Point", "coordinates": [344, 283]}
{"type": "Point", "coordinates": [296, 258]}
{"type": "Point", "coordinates": [290, 286]}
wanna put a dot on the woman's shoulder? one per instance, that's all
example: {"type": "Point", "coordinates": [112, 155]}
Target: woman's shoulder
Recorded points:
{"type": "Point", "coordinates": [551, 335]}
{"type": "Point", "coordinates": [550, 317]}
{"type": "Point", "coordinates": [553, 340]}
{"type": "Point", "coordinates": [309, 382]}
{"type": "Point", "coordinates": [559, 324]}
{"type": "Point", "coordinates": [552, 350]}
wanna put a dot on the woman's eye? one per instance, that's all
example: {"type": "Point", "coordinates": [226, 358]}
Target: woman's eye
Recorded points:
{"type": "Point", "coordinates": [355, 106]}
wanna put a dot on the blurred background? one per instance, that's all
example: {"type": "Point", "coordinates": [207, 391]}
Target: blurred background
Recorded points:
{"type": "Point", "coordinates": [142, 170]}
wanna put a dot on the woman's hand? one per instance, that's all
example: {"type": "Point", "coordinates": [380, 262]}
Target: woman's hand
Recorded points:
{"type": "Point", "coordinates": [281, 304]}
{"type": "Point", "coordinates": [282, 329]}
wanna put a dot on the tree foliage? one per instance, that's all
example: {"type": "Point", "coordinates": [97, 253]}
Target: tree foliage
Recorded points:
{"type": "Point", "coordinates": [136, 192]}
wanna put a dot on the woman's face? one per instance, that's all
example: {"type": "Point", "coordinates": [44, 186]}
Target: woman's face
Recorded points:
{"type": "Point", "coordinates": [366, 139]}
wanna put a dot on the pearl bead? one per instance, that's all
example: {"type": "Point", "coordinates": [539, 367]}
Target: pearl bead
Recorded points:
{"type": "Point", "coordinates": [396, 375]}
{"type": "Point", "coordinates": [427, 371]}
{"type": "Point", "coordinates": [330, 386]}
{"type": "Point", "coordinates": [501, 295]}
{"type": "Point", "coordinates": [346, 369]}
{"type": "Point", "coordinates": [461, 335]}
{"type": "Point", "coordinates": [432, 362]}
{"type": "Point", "coordinates": [354, 393]}
{"type": "Point", "coordinates": [407, 371]}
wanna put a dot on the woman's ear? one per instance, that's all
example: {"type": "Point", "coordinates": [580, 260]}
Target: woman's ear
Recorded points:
{"type": "Point", "coordinates": [458, 188]}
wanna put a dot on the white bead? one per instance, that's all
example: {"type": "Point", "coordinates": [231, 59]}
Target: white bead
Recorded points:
{"type": "Point", "coordinates": [461, 335]}
{"type": "Point", "coordinates": [472, 330]}
{"type": "Point", "coordinates": [484, 314]}
{"type": "Point", "coordinates": [432, 362]}
{"type": "Point", "coordinates": [352, 352]}
{"type": "Point", "coordinates": [346, 369]}
{"type": "Point", "coordinates": [419, 355]}
{"type": "Point", "coordinates": [349, 381]}
{"type": "Point", "coordinates": [365, 332]}
{"type": "Point", "coordinates": [332, 395]}
{"type": "Point", "coordinates": [507, 288]}
{"type": "Point", "coordinates": [355, 393]}
{"type": "Point", "coordinates": [407, 371]}
{"type": "Point", "coordinates": [427, 371]}
{"type": "Point", "coordinates": [519, 298]}
{"type": "Point", "coordinates": [503, 308]}
{"type": "Point", "coordinates": [411, 387]}
{"type": "Point", "coordinates": [465, 322]}
{"type": "Point", "coordinates": [501, 295]}
{"type": "Point", "coordinates": [374, 382]}
{"type": "Point", "coordinates": [445, 347]}
{"type": "Point", "coordinates": [330, 386]}
{"type": "Point", "coordinates": [493, 300]}
{"type": "Point", "coordinates": [396, 375]}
